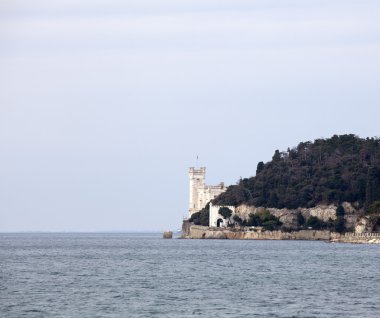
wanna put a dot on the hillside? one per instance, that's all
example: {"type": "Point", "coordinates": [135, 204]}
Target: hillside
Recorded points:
{"type": "Point", "coordinates": [339, 169]}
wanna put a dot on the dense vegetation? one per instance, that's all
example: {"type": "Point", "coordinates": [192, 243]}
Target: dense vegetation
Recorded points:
{"type": "Point", "coordinates": [225, 212]}
{"type": "Point", "coordinates": [201, 217]}
{"type": "Point", "coordinates": [337, 225]}
{"type": "Point", "coordinates": [265, 219]}
{"type": "Point", "coordinates": [334, 170]}
{"type": "Point", "coordinates": [270, 222]}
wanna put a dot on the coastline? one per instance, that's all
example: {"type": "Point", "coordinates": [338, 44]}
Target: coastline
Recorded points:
{"type": "Point", "coordinates": [204, 232]}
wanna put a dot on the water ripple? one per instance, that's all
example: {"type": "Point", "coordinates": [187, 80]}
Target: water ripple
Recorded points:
{"type": "Point", "coordinates": [125, 275]}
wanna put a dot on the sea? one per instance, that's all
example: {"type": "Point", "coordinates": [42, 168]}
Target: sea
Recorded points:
{"type": "Point", "coordinates": [143, 275]}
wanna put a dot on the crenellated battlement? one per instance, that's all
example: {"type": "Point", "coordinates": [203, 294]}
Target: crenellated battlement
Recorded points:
{"type": "Point", "coordinates": [215, 187]}
{"type": "Point", "coordinates": [201, 170]}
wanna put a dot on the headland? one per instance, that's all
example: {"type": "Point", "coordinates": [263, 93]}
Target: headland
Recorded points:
{"type": "Point", "coordinates": [327, 190]}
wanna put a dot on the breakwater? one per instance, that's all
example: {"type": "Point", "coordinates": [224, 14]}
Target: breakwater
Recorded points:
{"type": "Point", "coordinates": [204, 232]}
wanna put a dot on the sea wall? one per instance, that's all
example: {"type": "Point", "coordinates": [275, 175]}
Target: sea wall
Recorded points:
{"type": "Point", "coordinates": [358, 238]}
{"type": "Point", "coordinates": [197, 231]}
{"type": "Point", "coordinates": [204, 232]}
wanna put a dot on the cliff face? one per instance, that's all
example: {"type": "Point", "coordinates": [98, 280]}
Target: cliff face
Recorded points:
{"type": "Point", "coordinates": [365, 224]}
{"type": "Point", "coordinates": [289, 216]}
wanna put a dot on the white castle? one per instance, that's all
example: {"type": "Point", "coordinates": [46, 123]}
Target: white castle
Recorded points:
{"type": "Point", "coordinates": [201, 194]}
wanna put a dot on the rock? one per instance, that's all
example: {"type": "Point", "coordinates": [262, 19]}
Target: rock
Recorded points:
{"type": "Point", "coordinates": [362, 225]}
{"type": "Point", "coordinates": [168, 235]}
{"type": "Point", "coordinates": [289, 220]}
{"type": "Point", "coordinates": [243, 211]}
{"type": "Point", "coordinates": [322, 212]}
{"type": "Point", "coordinates": [348, 208]}
{"type": "Point", "coordinates": [350, 222]}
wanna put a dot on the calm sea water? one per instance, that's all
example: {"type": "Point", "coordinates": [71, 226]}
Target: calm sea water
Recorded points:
{"type": "Point", "coordinates": [142, 275]}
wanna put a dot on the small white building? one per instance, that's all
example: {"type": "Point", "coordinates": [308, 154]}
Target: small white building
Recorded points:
{"type": "Point", "coordinates": [217, 220]}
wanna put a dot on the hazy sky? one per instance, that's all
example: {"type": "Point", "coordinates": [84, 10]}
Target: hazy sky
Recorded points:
{"type": "Point", "coordinates": [105, 104]}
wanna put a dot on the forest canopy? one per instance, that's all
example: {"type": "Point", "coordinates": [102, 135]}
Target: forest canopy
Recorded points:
{"type": "Point", "coordinates": [326, 171]}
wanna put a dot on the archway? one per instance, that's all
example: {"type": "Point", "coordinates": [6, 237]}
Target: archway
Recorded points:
{"type": "Point", "coordinates": [219, 222]}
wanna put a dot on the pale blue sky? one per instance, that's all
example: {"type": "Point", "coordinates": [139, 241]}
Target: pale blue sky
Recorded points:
{"type": "Point", "coordinates": [105, 104]}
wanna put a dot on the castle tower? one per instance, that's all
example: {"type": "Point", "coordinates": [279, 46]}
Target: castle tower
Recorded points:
{"type": "Point", "coordinates": [197, 182]}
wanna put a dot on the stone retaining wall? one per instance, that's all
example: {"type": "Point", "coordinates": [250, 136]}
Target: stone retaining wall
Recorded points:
{"type": "Point", "coordinates": [204, 232]}
{"type": "Point", "coordinates": [371, 238]}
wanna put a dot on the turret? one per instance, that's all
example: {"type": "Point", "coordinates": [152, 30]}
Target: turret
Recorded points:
{"type": "Point", "coordinates": [197, 181]}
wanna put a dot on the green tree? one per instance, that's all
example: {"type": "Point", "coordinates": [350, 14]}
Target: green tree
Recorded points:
{"type": "Point", "coordinates": [339, 224]}
{"type": "Point", "coordinates": [254, 220]}
{"type": "Point", "coordinates": [374, 208]}
{"type": "Point", "coordinates": [339, 211]}
{"type": "Point", "coordinates": [225, 212]}
{"type": "Point", "coordinates": [373, 185]}
{"type": "Point", "coordinates": [314, 223]}
{"type": "Point", "coordinates": [202, 217]}
{"type": "Point", "coordinates": [237, 219]}
{"type": "Point", "coordinates": [265, 219]}
{"type": "Point", "coordinates": [260, 167]}
{"type": "Point", "coordinates": [276, 156]}
{"type": "Point", "coordinates": [300, 219]}
{"type": "Point", "coordinates": [195, 218]}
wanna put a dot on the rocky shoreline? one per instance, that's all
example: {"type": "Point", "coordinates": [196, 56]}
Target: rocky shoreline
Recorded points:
{"type": "Point", "coordinates": [204, 232]}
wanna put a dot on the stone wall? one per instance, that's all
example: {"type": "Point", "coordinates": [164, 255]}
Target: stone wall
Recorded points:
{"type": "Point", "coordinates": [204, 232]}
{"type": "Point", "coordinates": [358, 238]}
{"type": "Point", "coordinates": [199, 232]}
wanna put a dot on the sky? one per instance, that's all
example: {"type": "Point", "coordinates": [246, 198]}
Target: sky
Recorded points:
{"type": "Point", "coordinates": [104, 105]}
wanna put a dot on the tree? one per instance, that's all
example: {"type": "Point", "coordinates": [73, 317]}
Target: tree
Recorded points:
{"type": "Point", "coordinates": [373, 185]}
{"type": "Point", "coordinates": [374, 208]}
{"type": "Point", "coordinates": [265, 219]}
{"type": "Point", "coordinates": [260, 167]}
{"type": "Point", "coordinates": [254, 220]}
{"type": "Point", "coordinates": [205, 218]}
{"type": "Point", "coordinates": [237, 219]}
{"type": "Point", "coordinates": [225, 212]}
{"type": "Point", "coordinates": [314, 223]}
{"type": "Point", "coordinates": [300, 219]}
{"type": "Point", "coordinates": [339, 225]}
{"type": "Point", "coordinates": [202, 217]}
{"type": "Point", "coordinates": [276, 156]}
{"type": "Point", "coordinates": [195, 218]}
{"type": "Point", "coordinates": [339, 211]}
